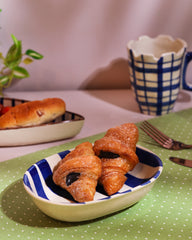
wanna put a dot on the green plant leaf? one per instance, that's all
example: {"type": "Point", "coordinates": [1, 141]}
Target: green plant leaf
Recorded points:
{"type": "Point", "coordinates": [4, 80]}
{"type": "Point", "coordinates": [27, 60]}
{"type": "Point", "coordinates": [34, 54]}
{"type": "Point", "coordinates": [20, 72]}
{"type": "Point", "coordinates": [14, 54]}
{"type": "Point", "coordinates": [15, 40]}
{"type": "Point", "coordinates": [1, 55]}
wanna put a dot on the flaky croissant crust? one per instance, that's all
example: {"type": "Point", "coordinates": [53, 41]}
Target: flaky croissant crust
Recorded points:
{"type": "Point", "coordinates": [120, 141]}
{"type": "Point", "coordinates": [83, 162]}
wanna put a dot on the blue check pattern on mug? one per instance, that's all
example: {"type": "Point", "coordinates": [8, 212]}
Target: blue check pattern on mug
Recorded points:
{"type": "Point", "coordinates": [156, 82]}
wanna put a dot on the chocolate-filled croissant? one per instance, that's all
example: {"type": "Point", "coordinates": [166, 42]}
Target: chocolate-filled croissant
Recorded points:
{"type": "Point", "coordinates": [78, 172]}
{"type": "Point", "coordinates": [117, 152]}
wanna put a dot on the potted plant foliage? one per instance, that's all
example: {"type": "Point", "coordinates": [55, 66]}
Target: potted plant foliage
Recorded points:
{"type": "Point", "coordinates": [10, 68]}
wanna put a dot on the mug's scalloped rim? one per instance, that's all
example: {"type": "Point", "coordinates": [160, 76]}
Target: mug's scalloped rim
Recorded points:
{"type": "Point", "coordinates": [180, 52]}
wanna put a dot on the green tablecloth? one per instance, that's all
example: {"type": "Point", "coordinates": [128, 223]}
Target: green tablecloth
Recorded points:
{"type": "Point", "coordinates": [164, 213]}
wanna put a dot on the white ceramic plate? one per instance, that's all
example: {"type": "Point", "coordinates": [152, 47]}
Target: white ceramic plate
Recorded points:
{"type": "Point", "coordinates": [66, 126]}
{"type": "Point", "coordinates": [58, 204]}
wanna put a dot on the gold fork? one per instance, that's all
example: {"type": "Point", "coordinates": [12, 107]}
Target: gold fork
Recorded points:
{"type": "Point", "coordinates": [161, 138]}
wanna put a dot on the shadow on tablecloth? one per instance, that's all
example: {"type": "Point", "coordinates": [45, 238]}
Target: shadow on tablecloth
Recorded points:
{"type": "Point", "coordinates": [18, 206]}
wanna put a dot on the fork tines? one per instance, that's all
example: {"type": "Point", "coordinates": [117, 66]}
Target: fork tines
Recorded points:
{"type": "Point", "coordinates": [154, 133]}
{"type": "Point", "coordinates": [162, 139]}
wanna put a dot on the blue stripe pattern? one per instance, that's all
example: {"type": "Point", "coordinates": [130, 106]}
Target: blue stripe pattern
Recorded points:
{"type": "Point", "coordinates": [156, 84]}
{"type": "Point", "coordinates": [43, 169]}
{"type": "Point", "coordinates": [37, 182]}
{"type": "Point", "coordinates": [27, 182]}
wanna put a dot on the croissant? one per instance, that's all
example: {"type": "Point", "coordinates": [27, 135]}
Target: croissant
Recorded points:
{"type": "Point", "coordinates": [117, 152]}
{"type": "Point", "coordinates": [78, 172]}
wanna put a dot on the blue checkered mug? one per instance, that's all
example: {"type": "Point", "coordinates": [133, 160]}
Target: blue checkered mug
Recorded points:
{"type": "Point", "coordinates": [157, 69]}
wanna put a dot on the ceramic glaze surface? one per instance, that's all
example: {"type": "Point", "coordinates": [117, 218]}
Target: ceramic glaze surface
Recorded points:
{"type": "Point", "coordinates": [156, 72]}
{"type": "Point", "coordinates": [66, 126]}
{"type": "Point", "coordinates": [156, 47]}
{"type": "Point", "coordinates": [59, 204]}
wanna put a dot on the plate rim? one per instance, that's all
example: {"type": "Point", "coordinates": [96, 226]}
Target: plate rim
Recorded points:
{"type": "Point", "coordinates": [48, 124]}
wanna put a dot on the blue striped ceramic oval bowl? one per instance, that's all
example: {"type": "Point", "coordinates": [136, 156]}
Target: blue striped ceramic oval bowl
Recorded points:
{"type": "Point", "coordinates": [57, 203]}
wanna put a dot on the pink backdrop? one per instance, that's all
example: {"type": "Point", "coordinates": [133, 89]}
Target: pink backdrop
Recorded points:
{"type": "Point", "coordinates": [84, 41]}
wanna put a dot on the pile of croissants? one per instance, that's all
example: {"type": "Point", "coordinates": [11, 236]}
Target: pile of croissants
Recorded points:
{"type": "Point", "coordinates": [105, 162]}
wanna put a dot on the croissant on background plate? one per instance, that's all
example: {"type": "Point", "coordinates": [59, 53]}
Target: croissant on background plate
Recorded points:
{"type": "Point", "coordinates": [117, 153]}
{"type": "Point", "coordinates": [78, 172]}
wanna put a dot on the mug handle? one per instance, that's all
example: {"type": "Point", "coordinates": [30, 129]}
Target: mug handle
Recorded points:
{"type": "Point", "coordinates": [188, 58]}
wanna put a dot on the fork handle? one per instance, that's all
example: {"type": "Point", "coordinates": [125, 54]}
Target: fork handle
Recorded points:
{"type": "Point", "coordinates": [179, 145]}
